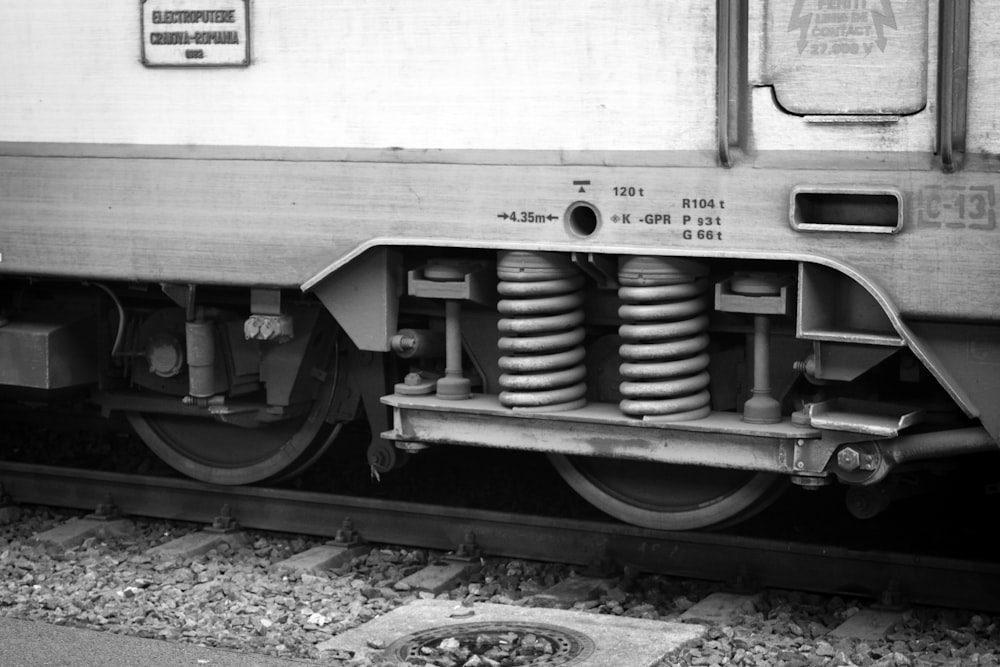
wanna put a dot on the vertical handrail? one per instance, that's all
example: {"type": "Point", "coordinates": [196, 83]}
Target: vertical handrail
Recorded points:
{"type": "Point", "coordinates": [724, 60]}
{"type": "Point", "coordinates": [946, 87]}
{"type": "Point", "coordinates": [953, 48]}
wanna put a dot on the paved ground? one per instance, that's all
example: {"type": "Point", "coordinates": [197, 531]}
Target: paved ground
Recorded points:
{"type": "Point", "coordinates": [28, 644]}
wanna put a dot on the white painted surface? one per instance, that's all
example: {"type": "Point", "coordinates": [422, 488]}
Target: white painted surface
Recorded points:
{"type": "Point", "coordinates": [983, 134]}
{"type": "Point", "coordinates": [453, 74]}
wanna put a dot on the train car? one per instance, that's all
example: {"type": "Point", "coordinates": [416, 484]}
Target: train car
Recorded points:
{"type": "Point", "coordinates": [693, 253]}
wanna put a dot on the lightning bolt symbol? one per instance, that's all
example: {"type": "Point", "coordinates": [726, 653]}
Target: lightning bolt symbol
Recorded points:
{"type": "Point", "coordinates": [881, 19]}
{"type": "Point", "coordinates": [800, 23]}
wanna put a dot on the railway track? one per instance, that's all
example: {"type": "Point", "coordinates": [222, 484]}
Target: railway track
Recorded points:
{"type": "Point", "coordinates": [739, 560]}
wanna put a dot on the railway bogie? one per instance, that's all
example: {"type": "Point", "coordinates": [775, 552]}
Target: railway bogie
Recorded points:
{"type": "Point", "coordinates": [725, 248]}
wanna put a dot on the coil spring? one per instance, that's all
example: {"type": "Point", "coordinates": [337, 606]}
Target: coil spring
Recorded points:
{"type": "Point", "coordinates": [541, 334]}
{"type": "Point", "coordinates": [664, 370]}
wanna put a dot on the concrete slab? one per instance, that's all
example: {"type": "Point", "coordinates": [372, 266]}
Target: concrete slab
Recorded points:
{"type": "Point", "coordinates": [612, 641]}
{"type": "Point", "coordinates": [572, 592]}
{"type": "Point", "coordinates": [75, 531]}
{"type": "Point", "coordinates": [320, 558]}
{"type": "Point", "coordinates": [718, 608]}
{"type": "Point", "coordinates": [438, 577]}
{"type": "Point", "coordinates": [195, 544]}
{"type": "Point", "coordinates": [576, 589]}
{"type": "Point", "coordinates": [867, 624]}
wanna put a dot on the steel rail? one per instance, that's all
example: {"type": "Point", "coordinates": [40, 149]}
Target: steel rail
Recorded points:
{"type": "Point", "coordinates": [768, 563]}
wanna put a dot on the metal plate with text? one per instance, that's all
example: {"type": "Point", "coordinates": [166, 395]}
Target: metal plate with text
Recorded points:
{"type": "Point", "coordinates": [195, 33]}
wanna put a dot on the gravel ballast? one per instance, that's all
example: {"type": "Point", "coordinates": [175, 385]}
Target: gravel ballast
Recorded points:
{"type": "Point", "coordinates": [235, 597]}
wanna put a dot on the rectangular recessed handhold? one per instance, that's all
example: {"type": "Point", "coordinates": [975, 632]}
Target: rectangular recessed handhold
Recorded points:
{"type": "Point", "coordinates": [846, 209]}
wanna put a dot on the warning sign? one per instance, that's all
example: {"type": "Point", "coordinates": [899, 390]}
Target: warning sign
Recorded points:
{"type": "Point", "coordinates": [854, 57]}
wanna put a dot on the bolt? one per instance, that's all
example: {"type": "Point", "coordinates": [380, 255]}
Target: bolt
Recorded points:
{"type": "Point", "coordinates": [467, 551]}
{"type": "Point", "coordinates": [105, 510]}
{"type": "Point", "coordinates": [225, 519]}
{"type": "Point", "coordinates": [892, 597]}
{"type": "Point", "coordinates": [106, 507]}
{"type": "Point", "coordinates": [468, 546]}
{"type": "Point", "coordinates": [346, 532]}
{"type": "Point", "coordinates": [251, 328]}
{"type": "Point", "coordinates": [848, 459]}
{"type": "Point", "coordinates": [268, 330]}
{"type": "Point", "coordinates": [807, 365]}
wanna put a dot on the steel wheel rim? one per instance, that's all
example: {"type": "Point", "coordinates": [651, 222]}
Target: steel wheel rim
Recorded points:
{"type": "Point", "coordinates": [219, 453]}
{"type": "Point", "coordinates": [669, 497]}
{"type": "Point", "coordinates": [222, 454]}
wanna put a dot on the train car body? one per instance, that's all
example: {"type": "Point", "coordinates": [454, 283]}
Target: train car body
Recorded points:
{"type": "Point", "coordinates": [689, 250]}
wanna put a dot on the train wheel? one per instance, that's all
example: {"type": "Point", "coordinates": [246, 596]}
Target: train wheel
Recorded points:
{"type": "Point", "coordinates": [669, 497]}
{"type": "Point", "coordinates": [225, 454]}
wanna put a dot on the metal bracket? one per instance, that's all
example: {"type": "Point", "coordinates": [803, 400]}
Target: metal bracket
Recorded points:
{"type": "Point", "coordinates": [602, 268]}
{"type": "Point", "coordinates": [182, 295]}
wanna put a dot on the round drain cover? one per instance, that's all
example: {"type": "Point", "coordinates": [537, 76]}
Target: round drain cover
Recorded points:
{"type": "Point", "coordinates": [534, 644]}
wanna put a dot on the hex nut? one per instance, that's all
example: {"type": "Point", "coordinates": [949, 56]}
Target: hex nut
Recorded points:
{"type": "Point", "coordinates": [848, 459]}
